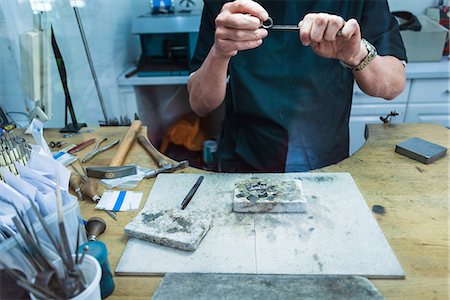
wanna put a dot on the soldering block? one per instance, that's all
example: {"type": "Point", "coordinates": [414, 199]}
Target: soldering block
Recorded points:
{"type": "Point", "coordinates": [172, 227]}
{"type": "Point", "coordinates": [269, 196]}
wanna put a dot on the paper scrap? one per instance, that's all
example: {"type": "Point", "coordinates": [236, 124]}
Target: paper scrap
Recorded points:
{"type": "Point", "coordinates": [126, 182]}
{"type": "Point", "coordinates": [36, 128]}
{"type": "Point", "coordinates": [120, 200]}
{"type": "Point", "coordinates": [64, 158]}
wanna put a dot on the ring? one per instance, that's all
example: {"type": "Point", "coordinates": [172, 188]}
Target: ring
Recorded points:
{"type": "Point", "coordinates": [267, 23]}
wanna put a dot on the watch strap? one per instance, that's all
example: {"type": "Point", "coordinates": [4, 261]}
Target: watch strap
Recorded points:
{"type": "Point", "coordinates": [371, 54]}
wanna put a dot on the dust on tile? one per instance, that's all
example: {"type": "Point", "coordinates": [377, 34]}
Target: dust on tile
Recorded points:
{"type": "Point", "coordinates": [171, 227]}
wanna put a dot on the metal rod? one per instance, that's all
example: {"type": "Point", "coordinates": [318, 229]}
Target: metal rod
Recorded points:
{"type": "Point", "coordinates": [91, 64]}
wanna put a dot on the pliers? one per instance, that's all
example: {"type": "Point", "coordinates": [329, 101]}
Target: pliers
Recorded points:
{"type": "Point", "coordinates": [98, 150]}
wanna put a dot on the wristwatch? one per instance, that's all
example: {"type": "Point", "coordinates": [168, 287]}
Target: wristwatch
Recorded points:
{"type": "Point", "coordinates": [371, 54]}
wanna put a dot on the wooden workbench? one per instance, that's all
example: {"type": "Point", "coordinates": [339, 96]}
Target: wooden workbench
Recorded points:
{"type": "Point", "coordinates": [415, 197]}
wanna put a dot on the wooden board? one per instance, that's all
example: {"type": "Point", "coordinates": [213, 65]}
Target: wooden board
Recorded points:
{"type": "Point", "coordinates": [338, 234]}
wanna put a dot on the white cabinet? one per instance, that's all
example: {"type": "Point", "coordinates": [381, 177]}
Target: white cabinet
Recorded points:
{"type": "Point", "coordinates": [368, 110]}
{"type": "Point", "coordinates": [426, 99]}
{"type": "Point", "coordinates": [429, 102]}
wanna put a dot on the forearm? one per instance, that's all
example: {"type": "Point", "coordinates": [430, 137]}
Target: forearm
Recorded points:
{"type": "Point", "coordinates": [384, 77]}
{"type": "Point", "coordinates": [207, 86]}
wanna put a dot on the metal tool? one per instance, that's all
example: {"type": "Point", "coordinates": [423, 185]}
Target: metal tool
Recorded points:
{"type": "Point", "coordinates": [168, 168]}
{"type": "Point", "coordinates": [111, 172]}
{"type": "Point", "coordinates": [191, 193]}
{"type": "Point", "coordinates": [90, 190]}
{"type": "Point", "coordinates": [164, 166]}
{"type": "Point", "coordinates": [98, 150]}
{"type": "Point", "coordinates": [268, 24]}
{"type": "Point", "coordinates": [81, 146]}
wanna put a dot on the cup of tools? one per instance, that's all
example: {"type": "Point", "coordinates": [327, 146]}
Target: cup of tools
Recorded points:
{"type": "Point", "coordinates": [92, 272]}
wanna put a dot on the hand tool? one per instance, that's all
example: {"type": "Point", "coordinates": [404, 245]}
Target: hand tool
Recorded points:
{"type": "Point", "coordinates": [98, 150]}
{"type": "Point", "coordinates": [167, 168]}
{"type": "Point", "coordinates": [90, 190]}
{"type": "Point", "coordinates": [164, 166]}
{"type": "Point", "coordinates": [95, 227]}
{"type": "Point", "coordinates": [191, 193]}
{"type": "Point", "coordinates": [81, 146]}
{"type": "Point", "coordinates": [126, 144]}
{"type": "Point", "coordinates": [268, 24]}
{"type": "Point", "coordinates": [75, 182]}
{"type": "Point", "coordinates": [111, 172]}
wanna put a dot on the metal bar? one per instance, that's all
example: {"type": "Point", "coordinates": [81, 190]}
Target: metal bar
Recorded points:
{"type": "Point", "coordinates": [91, 64]}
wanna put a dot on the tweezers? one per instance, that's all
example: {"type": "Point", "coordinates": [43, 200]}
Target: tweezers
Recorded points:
{"type": "Point", "coordinates": [98, 150]}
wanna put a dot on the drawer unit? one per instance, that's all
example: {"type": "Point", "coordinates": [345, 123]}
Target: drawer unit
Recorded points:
{"type": "Point", "coordinates": [359, 97]}
{"type": "Point", "coordinates": [370, 114]}
{"type": "Point", "coordinates": [428, 113]}
{"type": "Point", "coordinates": [430, 91]}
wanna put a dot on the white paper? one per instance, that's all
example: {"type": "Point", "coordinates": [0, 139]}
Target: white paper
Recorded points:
{"type": "Point", "coordinates": [43, 184]}
{"type": "Point", "coordinates": [64, 158]}
{"type": "Point", "coordinates": [36, 128]}
{"type": "Point", "coordinates": [11, 195]}
{"type": "Point", "coordinates": [50, 167]}
{"type": "Point", "coordinates": [126, 182]}
{"type": "Point", "coordinates": [120, 200]}
{"type": "Point", "coordinates": [45, 203]}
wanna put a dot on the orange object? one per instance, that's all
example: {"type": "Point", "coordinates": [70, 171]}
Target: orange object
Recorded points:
{"type": "Point", "coordinates": [185, 132]}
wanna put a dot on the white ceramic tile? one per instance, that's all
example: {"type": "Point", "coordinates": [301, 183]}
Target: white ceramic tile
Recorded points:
{"type": "Point", "coordinates": [337, 235]}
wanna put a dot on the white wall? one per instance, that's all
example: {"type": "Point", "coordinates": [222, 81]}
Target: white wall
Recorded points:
{"type": "Point", "coordinates": [107, 24]}
{"type": "Point", "coordinates": [415, 6]}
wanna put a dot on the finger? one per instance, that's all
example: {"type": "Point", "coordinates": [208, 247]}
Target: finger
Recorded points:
{"type": "Point", "coordinates": [350, 29]}
{"type": "Point", "coordinates": [335, 24]}
{"type": "Point", "coordinates": [319, 25]}
{"type": "Point", "coordinates": [238, 21]}
{"type": "Point", "coordinates": [229, 46]}
{"type": "Point", "coordinates": [241, 35]}
{"type": "Point", "coordinates": [246, 7]}
{"type": "Point", "coordinates": [304, 32]}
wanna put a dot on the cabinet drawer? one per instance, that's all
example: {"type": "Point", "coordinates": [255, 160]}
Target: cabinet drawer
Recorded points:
{"type": "Point", "coordinates": [430, 90]}
{"type": "Point", "coordinates": [438, 113]}
{"type": "Point", "coordinates": [376, 110]}
{"type": "Point", "coordinates": [359, 97]}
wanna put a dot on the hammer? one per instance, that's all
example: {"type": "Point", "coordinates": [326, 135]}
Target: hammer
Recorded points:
{"type": "Point", "coordinates": [164, 166]}
{"type": "Point", "coordinates": [115, 168]}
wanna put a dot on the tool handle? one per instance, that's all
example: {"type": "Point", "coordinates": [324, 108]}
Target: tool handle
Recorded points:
{"type": "Point", "coordinates": [81, 146]}
{"type": "Point", "coordinates": [126, 144]}
{"type": "Point", "coordinates": [156, 156]}
{"type": "Point", "coordinates": [89, 189]}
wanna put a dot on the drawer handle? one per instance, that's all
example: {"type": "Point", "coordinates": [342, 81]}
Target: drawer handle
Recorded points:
{"type": "Point", "coordinates": [359, 93]}
{"type": "Point", "coordinates": [447, 91]}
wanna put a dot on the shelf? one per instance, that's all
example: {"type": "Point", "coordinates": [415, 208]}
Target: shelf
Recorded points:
{"type": "Point", "coordinates": [157, 80]}
{"type": "Point", "coordinates": [177, 23]}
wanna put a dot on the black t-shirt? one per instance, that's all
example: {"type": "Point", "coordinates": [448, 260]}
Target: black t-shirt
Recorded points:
{"type": "Point", "coordinates": [287, 109]}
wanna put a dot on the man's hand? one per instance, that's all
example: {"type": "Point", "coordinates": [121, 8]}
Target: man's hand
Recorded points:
{"type": "Point", "coordinates": [331, 36]}
{"type": "Point", "coordinates": [238, 27]}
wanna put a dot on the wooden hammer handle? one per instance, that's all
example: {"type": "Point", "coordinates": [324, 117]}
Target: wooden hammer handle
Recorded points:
{"type": "Point", "coordinates": [156, 156]}
{"type": "Point", "coordinates": [126, 144]}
